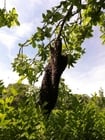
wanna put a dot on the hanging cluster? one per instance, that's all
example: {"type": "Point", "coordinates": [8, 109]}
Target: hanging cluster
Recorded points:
{"type": "Point", "coordinates": [50, 82]}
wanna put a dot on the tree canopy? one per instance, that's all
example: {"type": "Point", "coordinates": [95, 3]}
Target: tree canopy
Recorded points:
{"type": "Point", "coordinates": [73, 21]}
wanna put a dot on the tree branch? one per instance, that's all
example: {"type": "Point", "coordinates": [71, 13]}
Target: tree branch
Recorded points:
{"type": "Point", "coordinates": [64, 20]}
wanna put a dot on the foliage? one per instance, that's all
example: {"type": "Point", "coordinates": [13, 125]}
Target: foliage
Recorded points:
{"type": "Point", "coordinates": [8, 19]}
{"type": "Point", "coordinates": [75, 116]}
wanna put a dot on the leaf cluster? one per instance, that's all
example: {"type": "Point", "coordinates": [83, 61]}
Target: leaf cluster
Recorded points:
{"type": "Point", "coordinates": [8, 19]}
{"type": "Point", "coordinates": [27, 68]}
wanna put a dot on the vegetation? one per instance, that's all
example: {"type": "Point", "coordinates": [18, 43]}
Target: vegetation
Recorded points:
{"type": "Point", "coordinates": [8, 19]}
{"type": "Point", "coordinates": [75, 116]}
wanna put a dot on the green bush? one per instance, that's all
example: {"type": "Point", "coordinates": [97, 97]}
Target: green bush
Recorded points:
{"type": "Point", "coordinates": [75, 117]}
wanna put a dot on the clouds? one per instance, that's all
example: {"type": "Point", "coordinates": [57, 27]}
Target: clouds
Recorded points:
{"type": "Point", "coordinates": [24, 30]}
{"type": "Point", "coordinates": [7, 39]}
{"type": "Point", "coordinates": [86, 83]}
{"type": "Point", "coordinates": [86, 80]}
{"type": "Point", "coordinates": [98, 72]}
{"type": "Point", "coordinates": [7, 75]}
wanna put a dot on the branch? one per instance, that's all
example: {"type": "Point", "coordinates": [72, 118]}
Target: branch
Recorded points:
{"type": "Point", "coordinates": [64, 20]}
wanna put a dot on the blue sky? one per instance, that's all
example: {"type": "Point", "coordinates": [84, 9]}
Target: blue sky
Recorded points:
{"type": "Point", "coordinates": [88, 74]}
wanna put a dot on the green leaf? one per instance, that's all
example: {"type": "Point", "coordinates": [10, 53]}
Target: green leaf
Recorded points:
{"type": "Point", "coordinates": [103, 38]}
{"type": "Point", "coordinates": [57, 16]}
{"type": "Point", "coordinates": [86, 21]}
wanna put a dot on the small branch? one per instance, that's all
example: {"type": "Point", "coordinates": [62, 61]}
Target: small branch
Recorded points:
{"type": "Point", "coordinates": [64, 20]}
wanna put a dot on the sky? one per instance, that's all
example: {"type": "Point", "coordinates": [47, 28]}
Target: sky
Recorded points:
{"type": "Point", "coordinates": [86, 77]}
